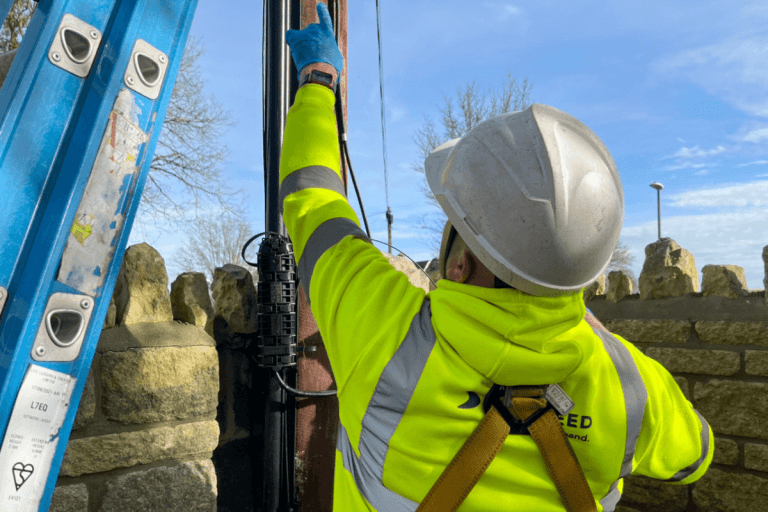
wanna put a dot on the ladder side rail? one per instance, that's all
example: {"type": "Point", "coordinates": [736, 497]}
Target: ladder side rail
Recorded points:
{"type": "Point", "coordinates": [169, 29]}
{"type": "Point", "coordinates": [39, 105]}
{"type": "Point", "coordinates": [43, 265]}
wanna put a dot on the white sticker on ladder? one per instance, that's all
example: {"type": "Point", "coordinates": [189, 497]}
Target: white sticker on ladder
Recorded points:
{"type": "Point", "coordinates": [32, 436]}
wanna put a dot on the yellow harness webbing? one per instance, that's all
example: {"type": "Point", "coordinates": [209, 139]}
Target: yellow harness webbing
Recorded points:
{"type": "Point", "coordinates": [479, 450]}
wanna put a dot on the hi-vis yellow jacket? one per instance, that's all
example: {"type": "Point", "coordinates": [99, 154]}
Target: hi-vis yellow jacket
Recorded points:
{"type": "Point", "coordinates": [412, 368]}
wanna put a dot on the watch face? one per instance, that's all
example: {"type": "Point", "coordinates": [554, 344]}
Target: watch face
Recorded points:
{"type": "Point", "coordinates": [321, 78]}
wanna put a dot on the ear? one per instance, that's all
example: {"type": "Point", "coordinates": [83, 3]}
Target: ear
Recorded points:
{"type": "Point", "coordinates": [461, 268]}
{"type": "Point", "coordinates": [453, 272]}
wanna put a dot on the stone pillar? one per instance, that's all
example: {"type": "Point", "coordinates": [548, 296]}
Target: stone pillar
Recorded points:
{"type": "Point", "coordinates": [190, 301]}
{"type": "Point", "coordinates": [619, 286]}
{"type": "Point", "coordinates": [141, 291]}
{"type": "Point", "coordinates": [668, 271]}
{"type": "Point", "coordinates": [724, 281]}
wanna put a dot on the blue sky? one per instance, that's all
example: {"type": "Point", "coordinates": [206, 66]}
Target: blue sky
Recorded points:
{"type": "Point", "coordinates": [676, 90]}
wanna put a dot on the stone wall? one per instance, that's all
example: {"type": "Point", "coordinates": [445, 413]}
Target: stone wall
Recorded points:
{"type": "Point", "coordinates": [164, 421]}
{"type": "Point", "coordinates": [146, 427]}
{"type": "Point", "coordinates": [715, 344]}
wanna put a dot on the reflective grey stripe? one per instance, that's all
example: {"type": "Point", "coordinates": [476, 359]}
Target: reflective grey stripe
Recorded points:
{"type": "Point", "coordinates": [635, 398]}
{"type": "Point", "coordinates": [685, 473]}
{"type": "Point", "coordinates": [327, 234]}
{"type": "Point", "coordinates": [314, 176]}
{"type": "Point", "coordinates": [387, 406]}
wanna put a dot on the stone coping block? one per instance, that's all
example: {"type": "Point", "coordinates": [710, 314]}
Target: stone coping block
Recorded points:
{"type": "Point", "coordinates": [692, 308]}
{"type": "Point", "coordinates": [724, 281]}
{"type": "Point", "coordinates": [105, 453]}
{"type": "Point", "coordinates": [619, 286]}
{"type": "Point", "coordinates": [141, 291]}
{"type": "Point", "coordinates": [148, 385]}
{"type": "Point", "coordinates": [651, 331]}
{"type": "Point", "coordinates": [668, 271]}
{"type": "Point", "coordinates": [184, 487]}
{"type": "Point", "coordinates": [191, 302]}
{"type": "Point", "coordinates": [234, 295]}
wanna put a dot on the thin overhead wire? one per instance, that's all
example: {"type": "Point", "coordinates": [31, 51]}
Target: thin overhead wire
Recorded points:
{"type": "Point", "coordinates": [381, 89]}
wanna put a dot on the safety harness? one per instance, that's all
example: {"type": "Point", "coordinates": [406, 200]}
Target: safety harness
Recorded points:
{"type": "Point", "coordinates": [515, 410]}
{"type": "Point", "coordinates": [518, 410]}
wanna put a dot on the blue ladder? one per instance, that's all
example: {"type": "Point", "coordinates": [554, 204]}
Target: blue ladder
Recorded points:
{"type": "Point", "coordinates": [82, 109]}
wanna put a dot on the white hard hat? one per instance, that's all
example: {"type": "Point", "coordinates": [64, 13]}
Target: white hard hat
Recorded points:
{"type": "Point", "coordinates": [536, 196]}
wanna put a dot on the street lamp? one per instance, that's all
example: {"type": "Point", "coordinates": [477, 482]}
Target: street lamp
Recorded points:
{"type": "Point", "coordinates": [658, 187]}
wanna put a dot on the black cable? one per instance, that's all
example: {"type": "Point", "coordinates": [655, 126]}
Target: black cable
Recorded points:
{"type": "Point", "coordinates": [345, 152]}
{"type": "Point", "coordinates": [301, 393]}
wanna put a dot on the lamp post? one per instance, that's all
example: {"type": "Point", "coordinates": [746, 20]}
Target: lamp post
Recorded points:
{"type": "Point", "coordinates": [658, 187]}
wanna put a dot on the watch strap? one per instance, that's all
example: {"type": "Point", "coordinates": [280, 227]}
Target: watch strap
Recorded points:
{"type": "Point", "coordinates": [318, 77]}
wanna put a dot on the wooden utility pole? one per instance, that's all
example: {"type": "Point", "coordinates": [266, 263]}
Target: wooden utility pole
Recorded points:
{"type": "Point", "coordinates": [317, 417]}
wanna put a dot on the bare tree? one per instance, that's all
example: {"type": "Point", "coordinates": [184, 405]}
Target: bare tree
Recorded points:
{"type": "Point", "coordinates": [623, 260]}
{"type": "Point", "coordinates": [188, 151]}
{"type": "Point", "coordinates": [16, 24]}
{"type": "Point", "coordinates": [472, 107]}
{"type": "Point", "coordinates": [214, 242]}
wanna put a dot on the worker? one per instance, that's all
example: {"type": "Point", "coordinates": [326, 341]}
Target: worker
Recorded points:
{"type": "Point", "coordinates": [535, 208]}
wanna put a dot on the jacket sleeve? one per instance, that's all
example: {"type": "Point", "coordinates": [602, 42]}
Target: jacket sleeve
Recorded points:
{"type": "Point", "coordinates": [676, 444]}
{"type": "Point", "coordinates": [358, 299]}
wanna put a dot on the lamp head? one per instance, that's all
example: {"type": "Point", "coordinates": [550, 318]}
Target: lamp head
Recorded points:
{"type": "Point", "coordinates": [657, 186]}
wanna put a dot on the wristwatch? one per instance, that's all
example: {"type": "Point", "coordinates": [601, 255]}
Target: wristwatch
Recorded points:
{"type": "Point", "coordinates": [318, 77]}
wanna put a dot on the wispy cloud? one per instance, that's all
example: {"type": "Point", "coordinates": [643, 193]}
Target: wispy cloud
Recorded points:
{"type": "Point", "coordinates": [756, 162]}
{"type": "Point", "coordinates": [735, 69]}
{"type": "Point", "coordinates": [701, 173]}
{"type": "Point", "coordinates": [685, 165]}
{"type": "Point", "coordinates": [696, 152]}
{"type": "Point", "coordinates": [741, 195]}
{"type": "Point", "coordinates": [756, 135]}
{"type": "Point", "coordinates": [692, 157]}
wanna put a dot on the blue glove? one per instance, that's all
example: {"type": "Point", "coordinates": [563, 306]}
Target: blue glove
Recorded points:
{"type": "Point", "coordinates": [315, 43]}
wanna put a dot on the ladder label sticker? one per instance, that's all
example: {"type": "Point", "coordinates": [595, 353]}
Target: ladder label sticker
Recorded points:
{"type": "Point", "coordinates": [101, 214]}
{"type": "Point", "coordinates": [32, 436]}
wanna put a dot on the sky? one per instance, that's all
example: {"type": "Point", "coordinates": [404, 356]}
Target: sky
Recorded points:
{"type": "Point", "coordinates": [676, 91]}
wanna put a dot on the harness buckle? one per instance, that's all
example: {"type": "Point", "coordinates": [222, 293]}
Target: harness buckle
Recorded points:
{"type": "Point", "coordinates": [501, 398]}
